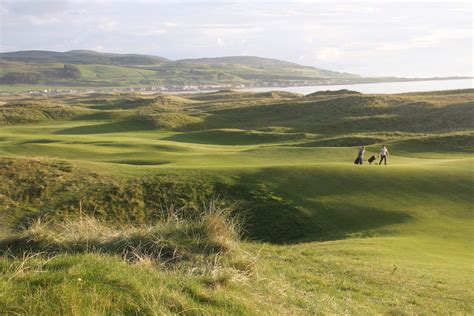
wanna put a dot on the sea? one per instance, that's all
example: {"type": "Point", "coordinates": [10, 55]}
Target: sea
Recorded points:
{"type": "Point", "coordinates": [381, 87]}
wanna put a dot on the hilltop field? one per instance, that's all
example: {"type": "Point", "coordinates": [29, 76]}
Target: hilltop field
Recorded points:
{"type": "Point", "coordinates": [236, 203]}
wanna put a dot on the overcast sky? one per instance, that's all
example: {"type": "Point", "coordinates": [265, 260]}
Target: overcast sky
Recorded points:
{"type": "Point", "coordinates": [369, 38]}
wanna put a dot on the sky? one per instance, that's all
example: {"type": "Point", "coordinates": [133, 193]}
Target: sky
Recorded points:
{"type": "Point", "coordinates": [371, 38]}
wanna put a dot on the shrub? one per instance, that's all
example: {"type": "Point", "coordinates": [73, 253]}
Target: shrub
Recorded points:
{"type": "Point", "coordinates": [70, 72]}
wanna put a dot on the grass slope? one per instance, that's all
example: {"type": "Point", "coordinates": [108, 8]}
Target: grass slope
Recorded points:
{"type": "Point", "coordinates": [321, 235]}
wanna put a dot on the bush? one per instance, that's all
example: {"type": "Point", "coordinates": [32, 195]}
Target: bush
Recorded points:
{"type": "Point", "coordinates": [70, 72]}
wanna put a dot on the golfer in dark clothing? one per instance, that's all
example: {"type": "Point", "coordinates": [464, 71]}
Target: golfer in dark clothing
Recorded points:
{"type": "Point", "coordinates": [383, 155]}
{"type": "Point", "coordinates": [360, 155]}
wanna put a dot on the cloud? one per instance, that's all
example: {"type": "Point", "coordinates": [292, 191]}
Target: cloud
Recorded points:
{"type": "Point", "coordinates": [364, 50]}
{"type": "Point", "coordinates": [40, 20]}
{"type": "Point", "coordinates": [171, 24]}
{"type": "Point", "coordinates": [155, 31]}
{"type": "Point", "coordinates": [227, 28]}
{"type": "Point", "coordinates": [343, 35]}
{"type": "Point", "coordinates": [432, 39]}
{"type": "Point", "coordinates": [356, 8]}
{"type": "Point", "coordinates": [220, 41]}
{"type": "Point", "coordinates": [329, 54]}
{"type": "Point", "coordinates": [107, 24]}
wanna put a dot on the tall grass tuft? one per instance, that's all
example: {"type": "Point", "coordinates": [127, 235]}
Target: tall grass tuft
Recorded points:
{"type": "Point", "coordinates": [210, 236]}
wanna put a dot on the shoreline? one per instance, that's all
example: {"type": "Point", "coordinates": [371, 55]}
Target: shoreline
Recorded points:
{"type": "Point", "coordinates": [143, 90]}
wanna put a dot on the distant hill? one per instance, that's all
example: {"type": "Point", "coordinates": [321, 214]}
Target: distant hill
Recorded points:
{"type": "Point", "coordinates": [86, 69]}
{"type": "Point", "coordinates": [25, 70]}
{"type": "Point", "coordinates": [242, 60]}
{"type": "Point", "coordinates": [266, 66]}
{"type": "Point", "coordinates": [82, 57]}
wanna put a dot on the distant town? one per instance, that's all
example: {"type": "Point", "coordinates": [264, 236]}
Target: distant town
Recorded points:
{"type": "Point", "coordinates": [181, 88]}
{"type": "Point", "coordinates": [214, 87]}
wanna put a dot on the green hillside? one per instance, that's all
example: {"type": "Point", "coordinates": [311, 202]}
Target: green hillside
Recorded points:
{"type": "Point", "coordinates": [236, 203]}
{"type": "Point", "coordinates": [33, 70]}
{"type": "Point", "coordinates": [83, 57]}
{"type": "Point", "coordinates": [84, 70]}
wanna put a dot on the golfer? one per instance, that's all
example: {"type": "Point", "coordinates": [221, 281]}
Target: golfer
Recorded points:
{"type": "Point", "coordinates": [360, 155]}
{"type": "Point", "coordinates": [383, 155]}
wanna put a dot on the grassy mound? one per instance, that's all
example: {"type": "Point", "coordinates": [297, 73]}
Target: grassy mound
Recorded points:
{"type": "Point", "coordinates": [170, 100]}
{"type": "Point", "coordinates": [229, 95]}
{"type": "Point", "coordinates": [332, 93]}
{"type": "Point", "coordinates": [96, 284]}
{"type": "Point", "coordinates": [344, 141]}
{"type": "Point", "coordinates": [119, 269]}
{"type": "Point", "coordinates": [172, 120]}
{"type": "Point", "coordinates": [277, 95]}
{"type": "Point", "coordinates": [128, 124]}
{"type": "Point", "coordinates": [52, 189]}
{"type": "Point", "coordinates": [447, 143]}
{"type": "Point", "coordinates": [142, 121]}
{"type": "Point", "coordinates": [236, 137]}
{"type": "Point", "coordinates": [137, 102]}
{"type": "Point", "coordinates": [178, 237]}
{"type": "Point", "coordinates": [222, 95]}
{"type": "Point", "coordinates": [345, 114]}
{"type": "Point", "coordinates": [28, 112]}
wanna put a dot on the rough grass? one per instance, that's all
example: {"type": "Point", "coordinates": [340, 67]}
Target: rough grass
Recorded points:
{"type": "Point", "coordinates": [44, 265]}
{"type": "Point", "coordinates": [334, 114]}
{"type": "Point", "coordinates": [28, 112]}
{"type": "Point", "coordinates": [343, 114]}
{"type": "Point", "coordinates": [344, 141]}
{"type": "Point", "coordinates": [178, 237]}
{"type": "Point", "coordinates": [53, 189]}
{"type": "Point", "coordinates": [96, 284]}
{"type": "Point", "coordinates": [444, 143]}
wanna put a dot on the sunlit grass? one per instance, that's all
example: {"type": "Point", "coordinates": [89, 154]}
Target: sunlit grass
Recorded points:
{"type": "Point", "coordinates": [323, 235]}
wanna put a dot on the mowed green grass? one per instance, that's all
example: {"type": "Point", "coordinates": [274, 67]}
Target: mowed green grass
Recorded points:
{"type": "Point", "coordinates": [416, 211]}
{"type": "Point", "coordinates": [394, 239]}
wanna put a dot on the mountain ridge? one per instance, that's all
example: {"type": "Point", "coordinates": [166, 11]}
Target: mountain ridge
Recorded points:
{"type": "Point", "coordinates": [71, 55]}
{"type": "Point", "coordinates": [34, 70]}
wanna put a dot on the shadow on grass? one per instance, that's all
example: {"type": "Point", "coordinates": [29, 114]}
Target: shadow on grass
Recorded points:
{"type": "Point", "coordinates": [97, 116]}
{"type": "Point", "coordinates": [342, 142]}
{"type": "Point", "coordinates": [40, 141]}
{"type": "Point", "coordinates": [100, 143]}
{"type": "Point", "coordinates": [285, 208]}
{"type": "Point", "coordinates": [274, 218]}
{"type": "Point", "coordinates": [125, 104]}
{"type": "Point", "coordinates": [129, 125]}
{"type": "Point", "coordinates": [293, 224]}
{"type": "Point", "coordinates": [280, 205]}
{"type": "Point", "coordinates": [235, 137]}
{"type": "Point", "coordinates": [141, 162]}
{"type": "Point", "coordinates": [343, 219]}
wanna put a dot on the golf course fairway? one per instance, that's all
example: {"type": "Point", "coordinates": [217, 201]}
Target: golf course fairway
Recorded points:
{"type": "Point", "coordinates": [317, 233]}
